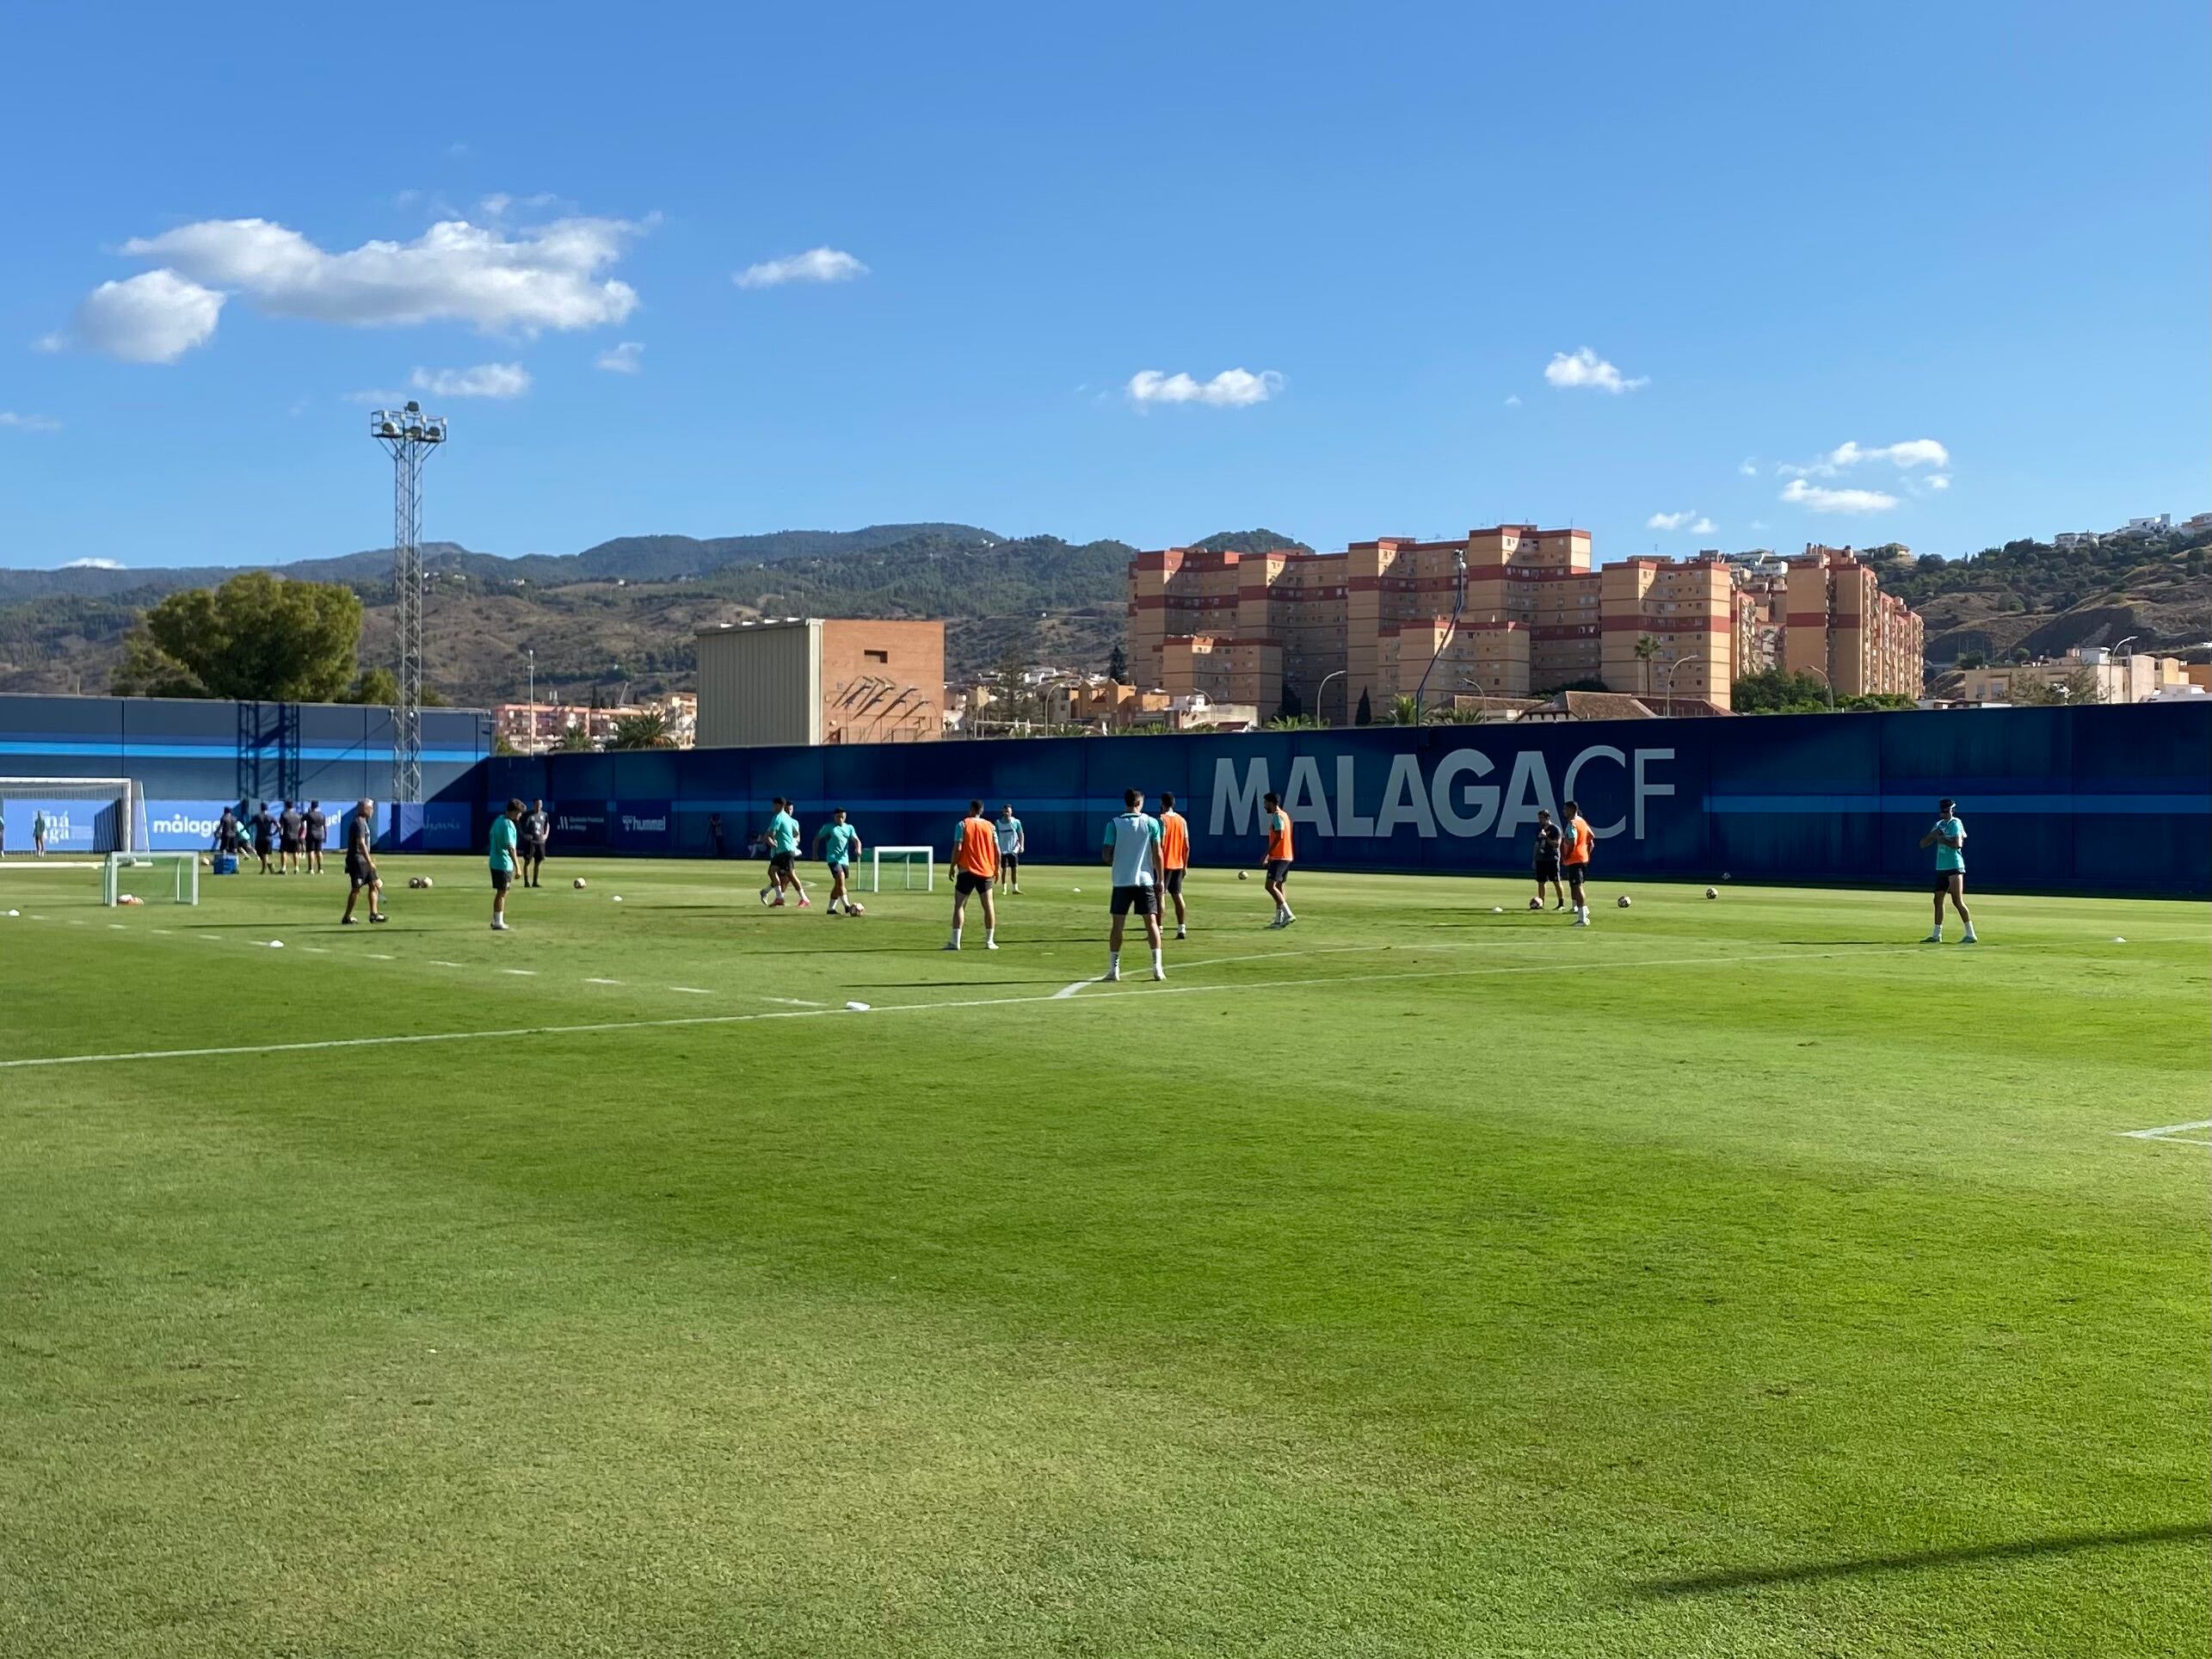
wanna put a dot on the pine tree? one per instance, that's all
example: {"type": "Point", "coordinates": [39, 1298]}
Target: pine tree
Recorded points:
{"type": "Point", "coordinates": [1365, 714]}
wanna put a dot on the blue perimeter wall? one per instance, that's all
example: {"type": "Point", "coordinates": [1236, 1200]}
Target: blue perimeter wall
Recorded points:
{"type": "Point", "coordinates": [2116, 800]}
{"type": "Point", "coordinates": [2101, 800]}
{"type": "Point", "coordinates": [192, 758]}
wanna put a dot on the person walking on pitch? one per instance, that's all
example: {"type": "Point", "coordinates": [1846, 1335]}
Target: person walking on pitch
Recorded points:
{"type": "Point", "coordinates": [975, 868]}
{"type": "Point", "coordinates": [783, 858]}
{"type": "Point", "coordinates": [1547, 861]}
{"type": "Point", "coordinates": [1575, 843]}
{"type": "Point", "coordinates": [1277, 822]}
{"type": "Point", "coordinates": [360, 864]}
{"type": "Point", "coordinates": [1131, 849]}
{"type": "Point", "coordinates": [532, 833]}
{"type": "Point", "coordinates": [38, 833]}
{"type": "Point", "coordinates": [1012, 843]}
{"type": "Point", "coordinates": [504, 840]}
{"type": "Point", "coordinates": [1174, 859]}
{"type": "Point", "coordinates": [1948, 838]}
{"type": "Point", "coordinates": [839, 843]}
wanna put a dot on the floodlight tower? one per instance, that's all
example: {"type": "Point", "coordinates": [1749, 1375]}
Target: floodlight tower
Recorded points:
{"type": "Point", "coordinates": [408, 435]}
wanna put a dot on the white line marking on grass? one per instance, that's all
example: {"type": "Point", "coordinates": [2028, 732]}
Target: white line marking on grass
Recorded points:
{"type": "Point", "coordinates": [598, 1026]}
{"type": "Point", "coordinates": [603, 981]}
{"type": "Point", "coordinates": [1066, 991]}
{"type": "Point", "coordinates": [435, 963]}
{"type": "Point", "coordinates": [692, 990]}
{"type": "Point", "coordinates": [2171, 1131]}
{"type": "Point", "coordinates": [524, 972]}
{"type": "Point", "coordinates": [164, 931]}
{"type": "Point", "coordinates": [792, 1002]}
{"type": "Point", "coordinates": [319, 950]}
{"type": "Point", "coordinates": [119, 927]}
{"type": "Point", "coordinates": [378, 956]}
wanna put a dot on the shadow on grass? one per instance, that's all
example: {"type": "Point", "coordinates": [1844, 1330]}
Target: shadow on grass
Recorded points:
{"type": "Point", "coordinates": [1813, 1571]}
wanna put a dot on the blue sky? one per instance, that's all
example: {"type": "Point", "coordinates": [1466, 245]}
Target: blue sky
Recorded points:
{"type": "Point", "coordinates": [1970, 242]}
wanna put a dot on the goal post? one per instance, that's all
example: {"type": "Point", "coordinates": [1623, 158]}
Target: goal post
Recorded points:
{"type": "Point", "coordinates": [183, 875]}
{"type": "Point", "coordinates": [71, 815]}
{"type": "Point", "coordinates": [906, 861]}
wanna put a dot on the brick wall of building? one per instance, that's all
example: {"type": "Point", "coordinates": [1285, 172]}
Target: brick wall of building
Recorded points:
{"type": "Point", "coordinates": [882, 683]}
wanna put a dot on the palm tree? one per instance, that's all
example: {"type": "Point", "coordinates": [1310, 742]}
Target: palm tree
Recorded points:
{"type": "Point", "coordinates": [1646, 649]}
{"type": "Point", "coordinates": [1405, 710]}
{"type": "Point", "coordinates": [646, 731]}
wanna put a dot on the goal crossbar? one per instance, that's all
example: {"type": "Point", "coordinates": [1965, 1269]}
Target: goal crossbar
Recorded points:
{"type": "Point", "coordinates": [906, 858]}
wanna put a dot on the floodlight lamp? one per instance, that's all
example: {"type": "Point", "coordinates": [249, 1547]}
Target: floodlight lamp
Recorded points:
{"type": "Point", "coordinates": [415, 429]}
{"type": "Point", "coordinates": [413, 408]}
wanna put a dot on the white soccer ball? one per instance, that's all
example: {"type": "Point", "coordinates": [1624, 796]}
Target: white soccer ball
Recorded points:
{"type": "Point", "coordinates": [1712, 892]}
{"type": "Point", "coordinates": [618, 899]}
{"type": "Point", "coordinates": [1497, 909]}
{"type": "Point", "coordinates": [427, 882]}
{"type": "Point", "coordinates": [1536, 903]}
{"type": "Point", "coordinates": [579, 883]}
{"type": "Point", "coordinates": [855, 908]}
{"type": "Point", "coordinates": [1241, 876]}
{"type": "Point", "coordinates": [1623, 901]}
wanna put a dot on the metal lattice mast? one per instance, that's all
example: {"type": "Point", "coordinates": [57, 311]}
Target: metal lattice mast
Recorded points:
{"type": "Point", "coordinates": [408, 437]}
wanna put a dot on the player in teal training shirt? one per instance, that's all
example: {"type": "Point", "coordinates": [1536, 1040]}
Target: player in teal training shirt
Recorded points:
{"type": "Point", "coordinates": [840, 844]}
{"type": "Point", "coordinates": [1948, 838]}
{"type": "Point", "coordinates": [783, 858]}
{"type": "Point", "coordinates": [502, 862]}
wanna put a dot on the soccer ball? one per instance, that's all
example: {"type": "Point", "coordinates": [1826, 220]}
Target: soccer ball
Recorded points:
{"type": "Point", "coordinates": [414, 881]}
{"type": "Point", "coordinates": [1241, 876]}
{"type": "Point", "coordinates": [854, 909]}
{"type": "Point", "coordinates": [1712, 892]}
{"type": "Point", "coordinates": [1623, 901]}
{"type": "Point", "coordinates": [1536, 903]}
{"type": "Point", "coordinates": [427, 882]}
{"type": "Point", "coordinates": [580, 884]}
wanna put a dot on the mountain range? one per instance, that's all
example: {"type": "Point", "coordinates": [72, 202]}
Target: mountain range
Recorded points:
{"type": "Point", "coordinates": [617, 618]}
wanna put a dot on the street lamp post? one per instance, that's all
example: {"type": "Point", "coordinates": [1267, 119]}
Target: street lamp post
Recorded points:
{"type": "Point", "coordinates": [2120, 650]}
{"type": "Point", "coordinates": [1829, 684]}
{"type": "Point", "coordinates": [1320, 696]}
{"type": "Point", "coordinates": [1666, 669]}
{"type": "Point", "coordinates": [530, 651]}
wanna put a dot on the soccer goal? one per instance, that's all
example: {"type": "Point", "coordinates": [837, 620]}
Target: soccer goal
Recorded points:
{"type": "Point", "coordinates": [907, 860]}
{"type": "Point", "coordinates": [71, 815]}
{"type": "Point", "coordinates": [123, 875]}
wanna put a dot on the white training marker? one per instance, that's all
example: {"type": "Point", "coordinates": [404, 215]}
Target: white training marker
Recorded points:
{"type": "Point", "coordinates": [618, 899]}
{"type": "Point", "coordinates": [2116, 940]}
{"type": "Point", "coordinates": [276, 944]}
{"type": "Point", "coordinates": [856, 1008]}
{"type": "Point", "coordinates": [1497, 909]}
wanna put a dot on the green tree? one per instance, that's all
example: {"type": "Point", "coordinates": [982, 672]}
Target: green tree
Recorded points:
{"type": "Point", "coordinates": [2080, 686]}
{"type": "Point", "coordinates": [501, 745]}
{"type": "Point", "coordinates": [376, 686]}
{"type": "Point", "coordinates": [575, 740]}
{"type": "Point", "coordinates": [256, 637]}
{"type": "Point", "coordinates": [646, 731]}
{"type": "Point", "coordinates": [1117, 666]}
{"type": "Point", "coordinates": [1647, 648]}
{"type": "Point", "coordinates": [1778, 691]}
{"type": "Point", "coordinates": [1365, 715]}
{"type": "Point", "coordinates": [1405, 710]}
{"type": "Point", "coordinates": [1291, 708]}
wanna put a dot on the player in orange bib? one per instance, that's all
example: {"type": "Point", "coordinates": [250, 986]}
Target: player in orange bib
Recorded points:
{"type": "Point", "coordinates": [1575, 843]}
{"type": "Point", "coordinates": [1175, 858]}
{"type": "Point", "coordinates": [975, 868]}
{"type": "Point", "coordinates": [1277, 822]}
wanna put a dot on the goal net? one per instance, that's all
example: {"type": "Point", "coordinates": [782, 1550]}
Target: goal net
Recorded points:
{"type": "Point", "coordinates": [77, 818]}
{"type": "Point", "coordinates": [903, 864]}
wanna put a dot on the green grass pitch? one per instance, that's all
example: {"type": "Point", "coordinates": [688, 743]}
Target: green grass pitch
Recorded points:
{"type": "Point", "coordinates": [1736, 1278]}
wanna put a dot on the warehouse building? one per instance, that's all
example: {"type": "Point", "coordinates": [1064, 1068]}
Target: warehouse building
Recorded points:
{"type": "Point", "coordinates": [807, 680]}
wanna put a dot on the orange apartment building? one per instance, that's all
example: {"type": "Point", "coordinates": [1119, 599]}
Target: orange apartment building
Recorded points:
{"type": "Point", "coordinates": [1244, 628]}
{"type": "Point", "coordinates": [1839, 624]}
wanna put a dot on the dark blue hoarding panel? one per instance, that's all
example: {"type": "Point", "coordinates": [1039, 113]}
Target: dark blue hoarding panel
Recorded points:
{"type": "Point", "coordinates": [2086, 799]}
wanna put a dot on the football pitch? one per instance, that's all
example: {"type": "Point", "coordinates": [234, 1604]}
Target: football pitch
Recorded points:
{"type": "Point", "coordinates": [1737, 1277]}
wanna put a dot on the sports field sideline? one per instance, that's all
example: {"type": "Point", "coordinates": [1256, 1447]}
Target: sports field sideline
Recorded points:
{"type": "Point", "coordinates": [1738, 1277]}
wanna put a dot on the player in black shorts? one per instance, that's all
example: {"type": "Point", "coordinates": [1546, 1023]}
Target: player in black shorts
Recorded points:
{"type": "Point", "coordinates": [1547, 862]}
{"type": "Point", "coordinates": [291, 837]}
{"type": "Point", "coordinates": [360, 864]}
{"type": "Point", "coordinates": [537, 829]}
{"type": "Point", "coordinates": [319, 831]}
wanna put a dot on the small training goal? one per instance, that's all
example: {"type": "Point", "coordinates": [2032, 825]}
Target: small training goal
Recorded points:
{"type": "Point", "coordinates": [66, 817]}
{"type": "Point", "coordinates": [132, 877]}
{"type": "Point", "coordinates": [905, 862]}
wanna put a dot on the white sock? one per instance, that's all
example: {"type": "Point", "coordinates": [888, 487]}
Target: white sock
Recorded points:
{"type": "Point", "coordinates": [956, 938]}
{"type": "Point", "coordinates": [1155, 959]}
{"type": "Point", "coordinates": [1113, 961]}
{"type": "Point", "coordinates": [990, 936]}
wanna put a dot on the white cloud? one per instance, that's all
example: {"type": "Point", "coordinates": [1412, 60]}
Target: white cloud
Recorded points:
{"type": "Point", "coordinates": [1233, 388]}
{"type": "Point", "coordinates": [1798, 493]}
{"type": "Point", "coordinates": [1748, 467]}
{"type": "Point", "coordinates": [1914, 452]}
{"type": "Point", "coordinates": [1669, 520]}
{"type": "Point", "coordinates": [1513, 400]}
{"type": "Point", "coordinates": [485, 381]}
{"type": "Point", "coordinates": [628, 358]}
{"type": "Point", "coordinates": [549, 277]}
{"type": "Point", "coordinates": [1939, 481]}
{"type": "Point", "coordinates": [815, 265]}
{"type": "Point", "coordinates": [93, 564]}
{"type": "Point", "coordinates": [1757, 524]}
{"type": "Point", "coordinates": [1585, 368]}
{"type": "Point", "coordinates": [1703, 527]}
{"type": "Point", "coordinates": [154, 317]}
{"type": "Point", "coordinates": [10, 419]}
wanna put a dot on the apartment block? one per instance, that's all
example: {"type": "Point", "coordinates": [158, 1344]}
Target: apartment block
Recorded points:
{"type": "Point", "coordinates": [1842, 626]}
{"type": "Point", "coordinates": [1376, 620]}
